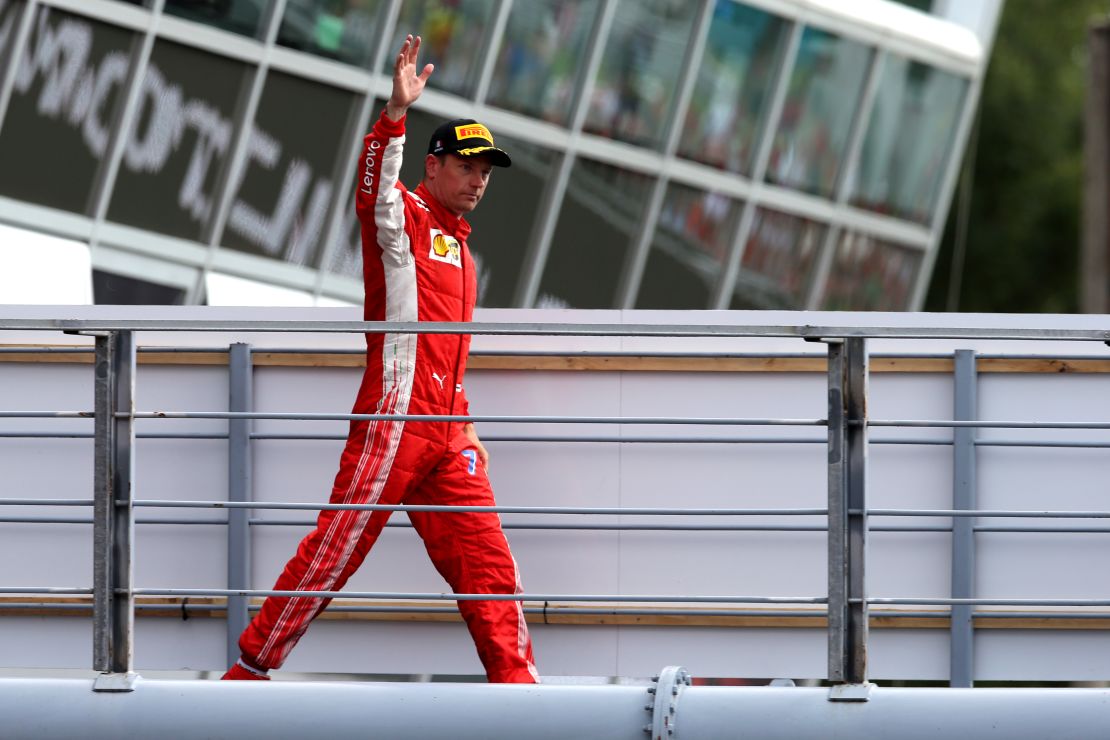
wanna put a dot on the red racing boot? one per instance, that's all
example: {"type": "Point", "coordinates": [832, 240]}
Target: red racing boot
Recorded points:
{"type": "Point", "coordinates": [243, 672]}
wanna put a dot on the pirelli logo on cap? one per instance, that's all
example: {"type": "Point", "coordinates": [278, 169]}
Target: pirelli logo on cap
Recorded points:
{"type": "Point", "coordinates": [473, 131]}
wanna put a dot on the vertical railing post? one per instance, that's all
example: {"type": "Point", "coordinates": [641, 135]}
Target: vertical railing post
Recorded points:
{"type": "Point", "coordinates": [964, 498]}
{"type": "Point", "coordinates": [848, 612]}
{"type": "Point", "coordinates": [113, 520]}
{"type": "Point", "coordinates": [239, 488]}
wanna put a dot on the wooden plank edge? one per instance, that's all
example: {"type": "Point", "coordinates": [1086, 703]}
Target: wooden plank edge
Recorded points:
{"type": "Point", "coordinates": [559, 615]}
{"type": "Point", "coordinates": [600, 363]}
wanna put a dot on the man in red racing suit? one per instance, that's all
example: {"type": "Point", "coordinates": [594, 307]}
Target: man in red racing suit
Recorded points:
{"type": "Point", "coordinates": [417, 268]}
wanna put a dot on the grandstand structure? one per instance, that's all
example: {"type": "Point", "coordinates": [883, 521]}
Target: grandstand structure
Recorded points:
{"type": "Point", "coordinates": [786, 154]}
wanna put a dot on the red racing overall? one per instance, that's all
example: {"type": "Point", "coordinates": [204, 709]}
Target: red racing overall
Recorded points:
{"type": "Point", "coordinates": [417, 268]}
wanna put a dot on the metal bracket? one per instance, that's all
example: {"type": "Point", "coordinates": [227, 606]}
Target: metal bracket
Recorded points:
{"type": "Point", "coordinates": [85, 333]}
{"type": "Point", "coordinates": [116, 682]}
{"type": "Point", "coordinates": [851, 692]}
{"type": "Point", "coordinates": [667, 688]}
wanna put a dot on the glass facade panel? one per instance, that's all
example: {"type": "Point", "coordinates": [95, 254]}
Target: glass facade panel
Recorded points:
{"type": "Point", "coordinates": [733, 87]}
{"type": "Point", "coordinates": [69, 89]}
{"type": "Point", "coordinates": [870, 274]}
{"type": "Point", "coordinates": [281, 206]}
{"type": "Point", "coordinates": [503, 221]}
{"type": "Point", "coordinates": [451, 39]}
{"type": "Point", "coordinates": [821, 101]}
{"type": "Point", "coordinates": [688, 249]}
{"type": "Point", "coordinates": [601, 213]}
{"type": "Point", "coordinates": [779, 258]}
{"type": "Point", "coordinates": [10, 13]}
{"type": "Point", "coordinates": [541, 56]}
{"type": "Point", "coordinates": [640, 70]}
{"type": "Point", "coordinates": [909, 139]}
{"type": "Point", "coordinates": [345, 256]}
{"type": "Point", "coordinates": [180, 143]}
{"type": "Point", "coordinates": [66, 100]}
{"type": "Point", "coordinates": [346, 30]}
{"type": "Point", "coordinates": [118, 290]}
{"type": "Point", "coordinates": [237, 16]}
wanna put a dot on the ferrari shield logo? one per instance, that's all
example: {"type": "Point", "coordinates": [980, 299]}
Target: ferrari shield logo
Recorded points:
{"type": "Point", "coordinates": [445, 248]}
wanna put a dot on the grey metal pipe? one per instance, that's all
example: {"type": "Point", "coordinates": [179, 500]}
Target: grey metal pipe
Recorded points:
{"type": "Point", "coordinates": [611, 510]}
{"type": "Point", "coordinates": [177, 608]}
{"type": "Point", "coordinates": [295, 710]}
{"type": "Point", "coordinates": [806, 331]}
{"type": "Point", "coordinates": [951, 423]}
{"type": "Point", "coordinates": [774, 713]}
{"type": "Point", "coordinates": [731, 355]}
{"type": "Point", "coordinates": [595, 439]}
{"type": "Point", "coordinates": [525, 419]}
{"type": "Point", "coordinates": [559, 526]}
{"type": "Point", "coordinates": [436, 596]}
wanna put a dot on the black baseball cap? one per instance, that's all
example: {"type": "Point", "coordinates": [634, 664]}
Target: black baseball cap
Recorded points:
{"type": "Point", "coordinates": [467, 138]}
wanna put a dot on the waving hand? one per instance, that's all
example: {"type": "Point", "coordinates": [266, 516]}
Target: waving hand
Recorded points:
{"type": "Point", "coordinates": [407, 84]}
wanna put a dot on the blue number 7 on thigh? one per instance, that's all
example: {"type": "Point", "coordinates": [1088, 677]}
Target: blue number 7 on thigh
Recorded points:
{"type": "Point", "coordinates": [472, 460]}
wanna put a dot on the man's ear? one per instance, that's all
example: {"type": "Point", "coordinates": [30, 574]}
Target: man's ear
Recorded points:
{"type": "Point", "coordinates": [431, 166]}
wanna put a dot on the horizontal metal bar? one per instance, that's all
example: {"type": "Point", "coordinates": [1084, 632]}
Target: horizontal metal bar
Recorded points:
{"type": "Point", "coordinates": [60, 591]}
{"type": "Point", "coordinates": [577, 611]}
{"type": "Point", "coordinates": [981, 424]}
{"type": "Point", "coordinates": [595, 439]}
{"type": "Point", "coordinates": [560, 598]}
{"type": "Point", "coordinates": [611, 510]}
{"type": "Point", "coordinates": [558, 526]}
{"type": "Point", "coordinates": [621, 511]}
{"type": "Point", "coordinates": [1039, 443]}
{"type": "Point", "coordinates": [431, 596]}
{"type": "Point", "coordinates": [730, 527]}
{"type": "Point", "coordinates": [77, 520]}
{"type": "Point", "coordinates": [563, 526]}
{"type": "Point", "coordinates": [78, 349]}
{"type": "Point", "coordinates": [989, 602]}
{"type": "Point", "coordinates": [985, 513]}
{"type": "Point", "coordinates": [290, 416]}
{"type": "Point", "coordinates": [542, 329]}
{"type": "Point", "coordinates": [616, 511]}
{"type": "Point", "coordinates": [621, 527]}
{"type": "Point", "coordinates": [47, 415]}
{"type": "Point", "coordinates": [46, 502]}
{"type": "Point", "coordinates": [145, 435]}
{"type": "Point", "coordinates": [53, 606]}
{"type": "Point", "coordinates": [631, 420]}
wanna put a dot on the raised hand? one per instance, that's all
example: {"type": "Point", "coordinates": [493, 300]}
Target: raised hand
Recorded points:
{"type": "Point", "coordinates": [407, 84]}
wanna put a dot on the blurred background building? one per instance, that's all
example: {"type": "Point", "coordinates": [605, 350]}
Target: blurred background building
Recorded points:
{"type": "Point", "coordinates": [667, 154]}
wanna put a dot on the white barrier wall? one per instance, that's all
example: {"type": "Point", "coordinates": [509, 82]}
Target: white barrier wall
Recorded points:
{"type": "Point", "coordinates": [617, 473]}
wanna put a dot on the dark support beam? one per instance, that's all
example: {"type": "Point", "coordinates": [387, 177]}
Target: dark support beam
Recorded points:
{"type": "Point", "coordinates": [848, 619]}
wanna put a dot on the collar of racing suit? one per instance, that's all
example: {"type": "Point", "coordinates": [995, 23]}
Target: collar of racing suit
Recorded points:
{"type": "Point", "coordinates": [457, 226]}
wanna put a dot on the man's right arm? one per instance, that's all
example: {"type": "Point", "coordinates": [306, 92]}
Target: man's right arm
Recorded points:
{"type": "Point", "coordinates": [378, 201]}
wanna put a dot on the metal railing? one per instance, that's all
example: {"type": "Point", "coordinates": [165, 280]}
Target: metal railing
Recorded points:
{"type": "Point", "coordinates": [847, 513]}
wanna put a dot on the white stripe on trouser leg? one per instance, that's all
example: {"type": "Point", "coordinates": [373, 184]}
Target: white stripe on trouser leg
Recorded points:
{"type": "Point", "coordinates": [397, 380]}
{"type": "Point", "coordinates": [521, 624]}
{"type": "Point", "coordinates": [341, 521]}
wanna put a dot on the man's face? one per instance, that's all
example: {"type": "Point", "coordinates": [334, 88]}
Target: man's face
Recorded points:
{"type": "Point", "coordinates": [458, 183]}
